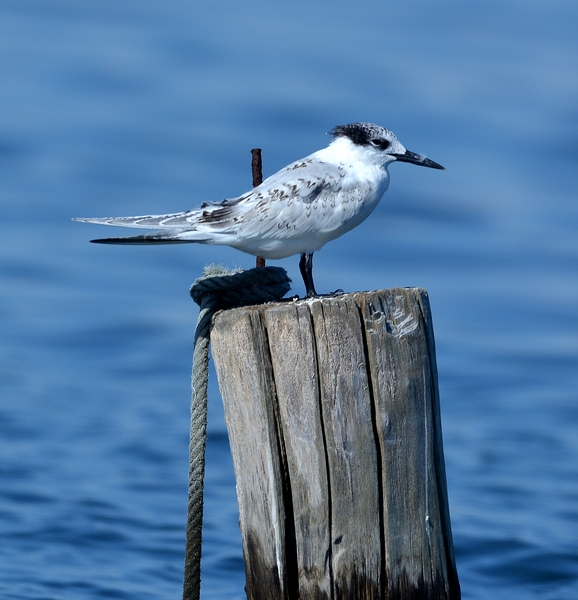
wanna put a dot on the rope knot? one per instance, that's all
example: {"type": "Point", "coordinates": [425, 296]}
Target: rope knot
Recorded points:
{"type": "Point", "coordinates": [223, 288]}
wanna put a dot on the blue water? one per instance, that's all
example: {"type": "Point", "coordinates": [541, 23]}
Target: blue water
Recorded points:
{"type": "Point", "coordinates": [135, 107]}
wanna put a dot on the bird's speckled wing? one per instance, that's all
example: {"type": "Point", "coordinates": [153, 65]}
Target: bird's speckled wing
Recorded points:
{"type": "Point", "coordinates": [283, 202]}
{"type": "Point", "coordinates": [308, 196]}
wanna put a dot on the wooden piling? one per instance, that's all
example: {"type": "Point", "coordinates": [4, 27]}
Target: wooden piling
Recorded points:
{"type": "Point", "coordinates": [333, 415]}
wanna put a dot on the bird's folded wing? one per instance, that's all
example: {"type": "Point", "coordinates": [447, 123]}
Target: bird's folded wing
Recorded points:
{"type": "Point", "coordinates": [282, 205]}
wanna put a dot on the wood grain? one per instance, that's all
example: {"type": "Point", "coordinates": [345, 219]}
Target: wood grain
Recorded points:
{"type": "Point", "coordinates": [244, 373]}
{"type": "Point", "coordinates": [333, 415]}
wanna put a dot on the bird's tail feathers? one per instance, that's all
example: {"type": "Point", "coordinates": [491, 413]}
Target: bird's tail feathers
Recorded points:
{"type": "Point", "coordinates": [171, 221]}
{"type": "Point", "coordinates": [151, 238]}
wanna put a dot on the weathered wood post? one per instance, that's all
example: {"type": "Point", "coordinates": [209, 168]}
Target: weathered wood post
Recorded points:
{"type": "Point", "coordinates": [333, 415]}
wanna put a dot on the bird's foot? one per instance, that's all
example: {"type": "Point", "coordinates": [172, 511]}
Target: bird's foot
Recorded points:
{"type": "Point", "coordinates": [296, 297]}
{"type": "Point", "coordinates": [338, 292]}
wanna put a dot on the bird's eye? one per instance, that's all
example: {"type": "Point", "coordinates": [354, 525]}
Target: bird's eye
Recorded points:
{"type": "Point", "coordinates": [382, 144]}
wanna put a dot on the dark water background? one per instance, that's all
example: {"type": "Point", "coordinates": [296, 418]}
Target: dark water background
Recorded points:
{"type": "Point", "coordinates": [135, 107]}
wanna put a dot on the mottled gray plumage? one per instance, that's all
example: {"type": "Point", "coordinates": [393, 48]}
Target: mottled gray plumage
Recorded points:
{"type": "Point", "coordinates": [295, 211]}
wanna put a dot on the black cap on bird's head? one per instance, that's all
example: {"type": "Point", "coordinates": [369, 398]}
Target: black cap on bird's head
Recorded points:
{"type": "Point", "coordinates": [363, 134]}
{"type": "Point", "coordinates": [382, 139]}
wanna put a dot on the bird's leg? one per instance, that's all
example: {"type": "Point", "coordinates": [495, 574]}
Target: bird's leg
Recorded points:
{"type": "Point", "coordinates": [306, 268]}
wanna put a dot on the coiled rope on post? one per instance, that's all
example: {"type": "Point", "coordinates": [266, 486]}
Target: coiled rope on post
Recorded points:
{"type": "Point", "coordinates": [218, 289]}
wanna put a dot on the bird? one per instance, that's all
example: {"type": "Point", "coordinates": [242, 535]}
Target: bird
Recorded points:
{"type": "Point", "coordinates": [297, 210]}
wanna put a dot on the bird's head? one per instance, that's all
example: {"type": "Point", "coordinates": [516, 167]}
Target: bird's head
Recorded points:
{"type": "Point", "coordinates": [380, 144]}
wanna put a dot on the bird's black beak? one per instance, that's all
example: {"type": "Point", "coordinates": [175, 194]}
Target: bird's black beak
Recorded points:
{"type": "Point", "coordinates": [417, 159]}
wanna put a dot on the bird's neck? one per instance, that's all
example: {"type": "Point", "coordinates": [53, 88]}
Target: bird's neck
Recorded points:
{"type": "Point", "coordinates": [359, 162]}
{"type": "Point", "coordinates": [342, 151]}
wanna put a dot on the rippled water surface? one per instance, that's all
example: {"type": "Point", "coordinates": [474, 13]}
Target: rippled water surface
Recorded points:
{"type": "Point", "coordinates": [136, 107]}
